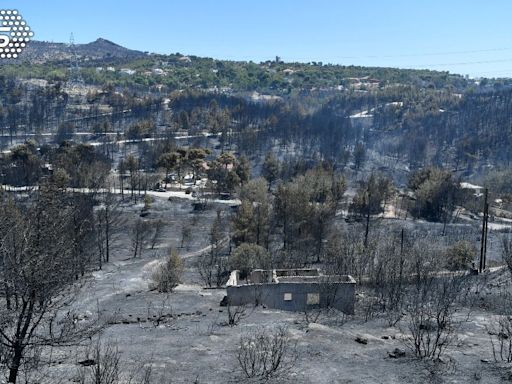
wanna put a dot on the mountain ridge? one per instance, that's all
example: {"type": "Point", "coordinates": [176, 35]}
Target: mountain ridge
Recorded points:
{"type": "Point", "coordinates": [40, 51]}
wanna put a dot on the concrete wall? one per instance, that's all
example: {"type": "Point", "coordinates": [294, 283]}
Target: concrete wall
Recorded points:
{"type": "Point", "coordinates": [337, 295]}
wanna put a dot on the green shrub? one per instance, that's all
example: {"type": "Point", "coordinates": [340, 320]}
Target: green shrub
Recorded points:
{"type": "Point", "coordinates": [460, 255]}
{"type": "Point", "coordinates": [167, 276]}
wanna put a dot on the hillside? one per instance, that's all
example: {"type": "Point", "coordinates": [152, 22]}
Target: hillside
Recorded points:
{"type": "Point", "coordinates": [129, 199]}
{"type": "Point", "coordinates": [176, 71]}
{"type": "Point", "coordinates": [38, 52]}
{"type": "Point", "coordinates": [403, 118]}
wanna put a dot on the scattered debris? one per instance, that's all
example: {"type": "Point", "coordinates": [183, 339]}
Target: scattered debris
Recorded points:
{"type": "Point", "coordinates": [87, 362]}
{"type": "Point", "coordinates": [396, 353]}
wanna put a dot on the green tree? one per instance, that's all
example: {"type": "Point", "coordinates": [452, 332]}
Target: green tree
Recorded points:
{"type": "Point", "coordinates": [243, 169]}
{"type": "Point", "coordinates": [226, 179]}
{"type": "Point", "coordinates": [270, 169]}
{"type": "Point", "coordinates": [195, 160]}
{"type": "Point", "coordinates": [371, 195]}
{"type": "Point", "coordinates": [436, 194]}
{"type": "Point", "coordinates": [169, 161]}
{"type": "Point", "coordinates": [253, 219]}
{"type": "Point", "coordinates": [141, 129]}
{"type": "Point", "coordinates": [460, 255]}
{"type": "Point", "coordinates": [226, 159]}
{"type": "Point", "coordinates": [168, 275]}
{"type": "Point", "coordinates": [85, 167]}
{"type": "Point", "coordinates": [247, 257]}
{"type": "Point", "coordinates": [25, 167]}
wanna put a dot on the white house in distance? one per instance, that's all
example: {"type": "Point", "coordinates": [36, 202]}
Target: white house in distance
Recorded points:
{"type": "Point", "coordinates": [476, 188]}
{"type": "Point", "coordinates": [158, 71]}
{"type": "Point", "coordinates": [185, 59]}
{"type": "Point", "coordinates": [128, 71]}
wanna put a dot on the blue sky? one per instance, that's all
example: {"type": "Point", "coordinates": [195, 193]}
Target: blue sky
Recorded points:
{"type": "Point", "coordinates": [463, 36]}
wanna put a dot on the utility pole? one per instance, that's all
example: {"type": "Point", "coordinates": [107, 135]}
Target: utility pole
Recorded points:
{"type": "Point", "coordinates": [483, 239]}
{"type": "Point", "coordinates": [402, 243]}
{"type": "Point", "coordinates": [75, 79]}
{"type": "Point", "coordinates": [401, 269]}
{"type": "Point", "coordinates": [368, 195]}
{"type": "Point", "coordinates": [486, 230]}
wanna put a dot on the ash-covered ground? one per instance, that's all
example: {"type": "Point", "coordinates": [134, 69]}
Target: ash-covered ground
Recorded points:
{"type": "Point", "coordinates": [184, 337]}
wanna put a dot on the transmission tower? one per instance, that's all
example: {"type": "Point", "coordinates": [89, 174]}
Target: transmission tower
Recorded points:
{"type": "Point", "coordinates": [75, 79]}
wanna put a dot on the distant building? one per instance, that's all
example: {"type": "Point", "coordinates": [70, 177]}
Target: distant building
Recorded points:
{"type": "Point", "coordinates": [127, 71]}
{"type": "Point", "coordinates": [292, 289]}
{"type": "Point", "coordinates": [256, 97]}
{"type": "Point", "coordinates": [185, 59]}
{"type": "Point", "coordinates": [477, 189]}
{"type": "Point", "coordinates": [359, 83]}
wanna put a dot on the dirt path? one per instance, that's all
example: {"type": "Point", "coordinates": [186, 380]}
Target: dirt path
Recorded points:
{"type": "Point", "coordinates": [117, 191]}
{"type": "Point", "coordinates": [188, 255]}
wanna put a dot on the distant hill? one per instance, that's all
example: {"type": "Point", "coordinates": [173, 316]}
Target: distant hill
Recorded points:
{"type": "Point", "coordinates": [175, 71]}
{"type": "Point", "coordinates": [44, 51]}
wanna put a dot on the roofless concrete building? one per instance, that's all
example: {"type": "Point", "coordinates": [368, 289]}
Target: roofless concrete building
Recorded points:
{"type": "Point", "coordinates": [292, 289]}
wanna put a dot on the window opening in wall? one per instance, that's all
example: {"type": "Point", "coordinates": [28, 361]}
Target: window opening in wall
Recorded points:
{"type": "Point", "coordinates": [313, 298]}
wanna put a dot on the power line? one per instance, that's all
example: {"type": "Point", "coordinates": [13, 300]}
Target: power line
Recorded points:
{"type": "Point", "coordinates": [75, 77]}
{"type": "Point", "coordinates": [466, 63]}
{"type": "Point", "coordinates": [441, 53]}
{"type": "Point", "coordinates": [337, 57]}
{"type": "Point", "coordinates": [446, 53]}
